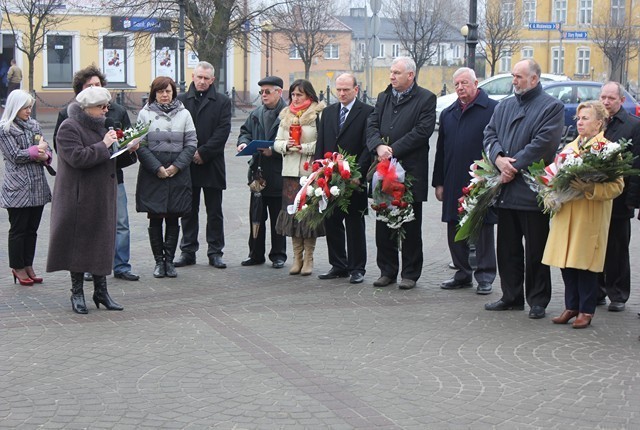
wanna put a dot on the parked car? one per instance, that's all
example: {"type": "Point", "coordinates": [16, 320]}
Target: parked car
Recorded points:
{"type": "Point", "coordinates": [572, 93]}
{"type": "Point", "coordinates": [497, 87]}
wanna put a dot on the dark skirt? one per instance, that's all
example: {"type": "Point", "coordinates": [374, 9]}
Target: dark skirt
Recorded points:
{"type": "Point", "coordinates": [288, 225]}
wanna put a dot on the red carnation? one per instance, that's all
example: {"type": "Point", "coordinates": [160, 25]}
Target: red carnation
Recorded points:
{"type": "Point", "coordinates": [322, 182]}
{"type": "Point", "coordinates": [328, 172]}
{"type": "Point", "coordinates": [404, 204]}
{"type": "Point", "coordinates": [383, 205]}
{"type": "Point", "coordinates": [346, 174]}
{"type": "Point", "coordinates": [306, 165]}
{"type": "Point", "coordinates": [315, 167]}
{"type": "Point", "coordinates": [119, 134]}
{"type": "Point", "coordinates": [395, 202]}
{"type": "Point", "coordinates": [328, 155]}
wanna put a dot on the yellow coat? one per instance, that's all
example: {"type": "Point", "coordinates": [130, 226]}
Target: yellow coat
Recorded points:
{"type": "Point", "coordinates": [579, 231]}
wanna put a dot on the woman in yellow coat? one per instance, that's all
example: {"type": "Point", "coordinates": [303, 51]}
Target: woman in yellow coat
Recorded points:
{"type": "Point", "coordinates": [577, 239]}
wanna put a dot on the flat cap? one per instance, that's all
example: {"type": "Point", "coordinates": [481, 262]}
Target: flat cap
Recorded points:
{"type": "Point", "coordinates": [93, 96]}
{"type": "Point", "coordinates": [271, 80]}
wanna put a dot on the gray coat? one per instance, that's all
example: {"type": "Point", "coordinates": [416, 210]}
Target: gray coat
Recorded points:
{"type": "Point", "coordinates": [24, 184]}
{"type": "Point", "coordinates": [83, 211]}
{"type": "Point", "coordinates": [527, 128]}
{"type": "Point", "coordinates": [171, 140]}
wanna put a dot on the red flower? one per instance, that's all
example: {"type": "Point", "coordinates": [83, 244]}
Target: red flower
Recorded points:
{"type": "Point", "coordinates": [395, 202]}
{"type": "Point", "coordinates": [119, 133]}
{"type": "Point", "coordinates": [328, 172]}
{"type": "Point", "coordinates": [315, 167]}
{"type": "Point", "coordinates": [346, 174]}
{"type": "Point", "coordinates": [461, 199]}
{"type": "Point", "coordinates": [328, 155]}
{"type": "Point", "coordinates": [322, 182]}
{"type": "Point", "coordinates": [460, 210]}
{"type": "Point", "coordinates": [404, 204]}
{"type": "Point", "coordinates": [306, 165]}
{"type": "Point", "coordinates": [466, 190]}
{"type": "Point", "coordinates": [383, 205]}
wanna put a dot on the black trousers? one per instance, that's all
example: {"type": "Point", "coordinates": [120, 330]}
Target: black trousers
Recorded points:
{"type": "Point", "coordinates": [485, 254]}
{"type": "Point", "coordinates": [580, 290]}
{"type": "Point", "coordinates": [215, 222]}
{"type": "Point", "coordinates": [23, 235]}
{"type": "Point", "coordinates": [615, 280]}
{"type": "Point", "coordinates": [270, 208]}
{"type": "Point", "coordinates": [354, 258]}
{"type": "Point", "coordinates": [412, 256]}
{"type": "Point", "coordinates": [520, 265]}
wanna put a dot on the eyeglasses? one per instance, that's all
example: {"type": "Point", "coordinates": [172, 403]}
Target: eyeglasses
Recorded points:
{"type": "Point", "coordinates": [267, 92]}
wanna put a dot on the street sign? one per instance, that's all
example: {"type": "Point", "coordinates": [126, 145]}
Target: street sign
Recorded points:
{"type": "Point", "coordinates": [544, 26]}
{"type": "Point", "coordinates": [376, 5]}
{"type": "Point", "coordinates": [375, 25]}
{"type": "Point", "coordinates": [575, 35]}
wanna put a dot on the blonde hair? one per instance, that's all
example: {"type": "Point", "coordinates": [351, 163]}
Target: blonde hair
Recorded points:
{"type": "Point", "coordinates": [598, 108]}
{"type": "Point", "coordinates": [17, 100]}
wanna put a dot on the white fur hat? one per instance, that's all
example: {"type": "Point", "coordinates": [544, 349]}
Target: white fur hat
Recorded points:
{"type": "Point", "coordinates": [93, 96]}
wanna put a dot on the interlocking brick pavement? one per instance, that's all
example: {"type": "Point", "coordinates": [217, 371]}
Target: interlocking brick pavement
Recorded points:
{"type": "Point", "coordinates": [256, 348]}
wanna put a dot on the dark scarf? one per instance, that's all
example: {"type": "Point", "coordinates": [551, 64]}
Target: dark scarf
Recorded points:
{"type": "Point", "coordinates": [169, 106]}
{"type": "Point", "coordinates": [86, 120]}
{"type": "Point", "coordinates": [29, 128]}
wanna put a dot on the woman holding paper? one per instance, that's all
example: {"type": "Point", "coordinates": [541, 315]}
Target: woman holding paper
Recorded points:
{"type": "Point", "coordinates": [83, 212]}
{"type": "Point", "coordinates": [164, 179]}
{"type": "Point", "coordinates": [296, 141]}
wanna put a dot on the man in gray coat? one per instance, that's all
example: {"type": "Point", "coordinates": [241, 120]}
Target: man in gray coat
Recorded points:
{"type": "Point", "coordinates": [523, 130]}
{"type": "Point", "coordinates": [262, 124]}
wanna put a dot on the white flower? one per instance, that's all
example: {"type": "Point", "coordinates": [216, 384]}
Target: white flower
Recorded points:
{"type": "Point", "coordinates": [335, 191]}
{"type": "Point", "coordinates": [309, 191]}
{"type": "Point", "coordinates": [572, 160]}
{"type": "Point", "coordinates": [609, 149]}
{"type": "Point", "coordinates": [318, 192]}
{"type": "Point", "coordinates": [303, 181]}
{"type": "Point", "coordinates": [304, 206]}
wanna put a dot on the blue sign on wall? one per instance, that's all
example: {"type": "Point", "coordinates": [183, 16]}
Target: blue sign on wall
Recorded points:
{"type": "Point", "coordinates": [138, 24]}
{"type": "Point", "coordinates": [575, 35]}
{"type": "Point", "coordinates": [544, 26]}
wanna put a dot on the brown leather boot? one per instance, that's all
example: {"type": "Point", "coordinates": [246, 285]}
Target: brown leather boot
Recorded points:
{"type": "Point", "coordinates": [583, 320]}
{"type": "Point", "coordinates": [298, 248]}
{"type": "Point", "coordinates": [309, 247]}
{"type": "Point", "coordinates": [565, 316]}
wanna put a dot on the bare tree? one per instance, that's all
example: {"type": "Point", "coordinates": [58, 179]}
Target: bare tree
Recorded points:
{"type": "Point", "coordinates": [420, 26]}
{"type": "Point", "coordinates": [499, 34]}
{"type": "Point", "coordinates": [30, 21]}
{"type": "Point", "coordinates": [306, 27]}
{"type": "Point", "coordinates": [616, 37]}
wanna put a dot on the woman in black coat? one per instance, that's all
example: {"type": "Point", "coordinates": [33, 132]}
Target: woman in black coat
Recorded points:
{"type": "Point", "coordinates": [164, 179]}
{"type": "Point", "coordinates": [83, 212]}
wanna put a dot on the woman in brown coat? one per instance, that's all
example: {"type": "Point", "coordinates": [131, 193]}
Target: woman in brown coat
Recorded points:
{"type": "Point", "coordinates": [83, 210]}
{"type": "Point", "coordinates": [578, 236]}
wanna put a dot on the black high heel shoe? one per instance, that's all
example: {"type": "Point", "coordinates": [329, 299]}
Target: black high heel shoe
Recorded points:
{"type": "Point", "coordinates": [26, 282]}
{"type": "Point", "coordinates": [101, 295]}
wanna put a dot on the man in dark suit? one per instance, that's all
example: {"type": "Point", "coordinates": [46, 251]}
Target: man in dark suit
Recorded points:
{"type": "Point", "coordinates": [460, 143]}
{"type": "Point", "coordinates": [211, 113]}
{"type": "Point", "coordinates": [343, 127]}
{"type": "Point", "coordinates": [262, 124]}
{"type": "Point", "coordinates": [404, 116]}
{"type": "Point", "coordinates": [615, 281]}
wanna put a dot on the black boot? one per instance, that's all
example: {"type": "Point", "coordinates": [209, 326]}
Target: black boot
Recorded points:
{"type": "Point", "coordinates": [170, 244]}
{"type": "Point", "coordinates": [157, 247]}
{"type": "Point", "coordinates": [77, 294]}
{"type": "Point", "coordinates": [101, 295]}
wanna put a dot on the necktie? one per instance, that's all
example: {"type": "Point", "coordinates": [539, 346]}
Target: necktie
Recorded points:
{"type": "Point", "coordinates": [343, 116]}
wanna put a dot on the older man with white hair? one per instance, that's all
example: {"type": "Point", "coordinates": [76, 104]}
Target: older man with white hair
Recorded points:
{"type": "Point", "coordinates": [400, 126]}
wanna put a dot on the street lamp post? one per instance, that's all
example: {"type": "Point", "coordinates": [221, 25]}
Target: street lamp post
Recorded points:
{"type": "Point", "coordinates": [464, 30]}
{"type": "Point", "coordinates": [472, 38]}
{"type": "Point", "coordinates": [181, 45]}
{"type": "Point", "coordinates": [268, 28]}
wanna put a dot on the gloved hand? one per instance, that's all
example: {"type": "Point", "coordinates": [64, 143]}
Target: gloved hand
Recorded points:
{"type": "Point", "coordinates": [582, 186]}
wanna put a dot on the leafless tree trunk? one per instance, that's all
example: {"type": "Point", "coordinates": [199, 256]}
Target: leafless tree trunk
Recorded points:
{"type": "Point", "coordinates": [306, 26]}
{"type": "Point", "coordinates": [499, 34]}
{"type": "Point", "coordinates": [616, 37]}
{"type": "Point", "coordinates": [33, 19]}
{"type": "Point", "coordinates": [420, 26]}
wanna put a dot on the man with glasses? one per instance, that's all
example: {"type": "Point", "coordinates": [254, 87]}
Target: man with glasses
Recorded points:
{"type": "Point", "coordinates": [262, 124]}
{"type": "Point", "coordinates": [92, 77]}
{"type": "Point", "coordinates": [211, 113]}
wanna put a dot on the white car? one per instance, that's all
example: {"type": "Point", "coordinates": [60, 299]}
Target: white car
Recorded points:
{"type": "Point", "coordinates": [498, 87]}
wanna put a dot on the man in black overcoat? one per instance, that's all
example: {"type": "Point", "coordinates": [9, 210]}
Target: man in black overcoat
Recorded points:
{"type": "Point", "coordinates": [405, 117]}
{"type": "Point", "coordinates": [615, 281]}
{"type": "Point", "coordinates": [262, 124]}
{"type": "Point", "coordinates": [343, 127]}
{"type": "Point", "coordinates": [211, 113]}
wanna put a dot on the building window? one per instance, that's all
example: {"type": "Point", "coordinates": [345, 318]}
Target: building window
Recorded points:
{"type": "Point", "coordinates": [362, 49]}
{"type": "Point", "coordinates": [294, 54]}
{"type": "Point", "coordinates": [395, 50]}
{"type": "Point", "coordinates": [617, 11]}
{"type": "Point", "coordinates": [584, 62]}
{"type": "Point", "coordinates": [59, 59]}
{"type": "Point", "coordinates": [332, 51]}
{"type": "Point", "coordinates": [585, 12]}
{"type": "Point", "coordinates": [508, 13]}
{"type": "Point", "coordinates": [527, 52]}
{"type": "Point", "coordinates": [114, 59]}
{"type": "Point", "coordinates": [557, 61]}
{"type": "Point", "coordinates": [381, 51]}
{"type": "Point", "coordinates": [456, 51]}
{"type": "Point", "coordinates": [505, 61]}
{"type": "Point", "coordinates": [528, 11]}
{"type": "Point", "coordinates": [560, 11]}
{"type": "Point", "coordinates": [165, 57]}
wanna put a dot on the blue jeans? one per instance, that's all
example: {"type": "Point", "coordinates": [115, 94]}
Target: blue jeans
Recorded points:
{"type": "Point", "coordinates": [122, 253]}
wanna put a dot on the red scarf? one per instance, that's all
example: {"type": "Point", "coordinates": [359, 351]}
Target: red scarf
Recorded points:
{"type": "Point", "coordinates": [301, 108]}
